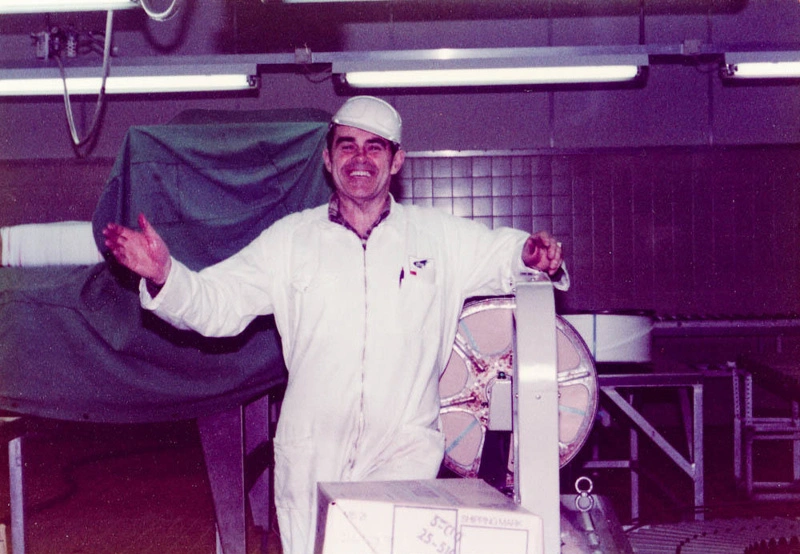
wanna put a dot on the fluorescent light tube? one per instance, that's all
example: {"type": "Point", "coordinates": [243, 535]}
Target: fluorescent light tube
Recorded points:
{"type": "Point", "coordinates": [48, 6]}
{"type": "Point", "coordinates": [491, 76]}
{"type": "Point", "coordinates": [765, 70]}
{"type": "Point", "coordinates": [762, 65]}
{"type": "Point", "coordinates": [127, 84]}
{"type": "Point", "coordinates": [448, 67]}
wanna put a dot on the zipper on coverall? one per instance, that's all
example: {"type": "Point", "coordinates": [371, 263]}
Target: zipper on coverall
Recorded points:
{"type": "Point", "coordinates": [360, 430]}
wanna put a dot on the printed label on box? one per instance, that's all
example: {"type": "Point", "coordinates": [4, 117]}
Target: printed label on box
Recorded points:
{"type": "Point", "coordinates": [419, 530]}
{"type": "Point", "coordinates": [480, 540]}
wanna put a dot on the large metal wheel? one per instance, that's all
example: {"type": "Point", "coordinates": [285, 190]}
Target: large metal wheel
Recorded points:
{"type": "Point", "coordinates": [482, 355]}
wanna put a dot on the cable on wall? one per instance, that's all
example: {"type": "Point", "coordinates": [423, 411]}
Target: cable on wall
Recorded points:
{"type": "Point", "coordinates": [642, 40]}
{"type": "Point", "coordinates": [94, 126]}
{"type": "Point", "coordinates": [167, 13]}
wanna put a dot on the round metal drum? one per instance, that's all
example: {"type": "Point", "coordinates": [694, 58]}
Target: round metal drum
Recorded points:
{"type": "Point", "coordinates": [482, 356]}
{"type": "Point", "coordinates": [615, 336]}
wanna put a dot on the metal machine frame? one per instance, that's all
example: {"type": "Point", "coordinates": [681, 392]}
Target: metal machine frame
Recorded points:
{"type": "Point", "coordinates": [535, 406]}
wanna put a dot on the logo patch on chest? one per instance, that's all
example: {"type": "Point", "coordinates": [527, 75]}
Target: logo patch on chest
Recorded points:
{"type": "Point", "coordinates": [422, 268]}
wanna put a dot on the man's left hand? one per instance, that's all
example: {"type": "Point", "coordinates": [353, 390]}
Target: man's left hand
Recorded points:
{"type": "Point", "coordinates": [542, 251]}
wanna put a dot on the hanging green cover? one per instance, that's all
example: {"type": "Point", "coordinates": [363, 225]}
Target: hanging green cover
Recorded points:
{"type": "Point", "coordinates": [74, 342]}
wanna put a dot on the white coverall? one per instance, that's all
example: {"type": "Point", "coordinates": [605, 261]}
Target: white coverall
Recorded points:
{"type": "Point", "coordinates": [365, 332]}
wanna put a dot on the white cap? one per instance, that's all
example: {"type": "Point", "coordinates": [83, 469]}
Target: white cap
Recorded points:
{"type": "Point", "coordinates": [371, 114]}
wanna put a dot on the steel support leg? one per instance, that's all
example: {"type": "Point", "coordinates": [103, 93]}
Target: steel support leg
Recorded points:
{"type": "Point", "coordinates": [17, 496]}
{"type": "Point", "coordinates": [222, 437]}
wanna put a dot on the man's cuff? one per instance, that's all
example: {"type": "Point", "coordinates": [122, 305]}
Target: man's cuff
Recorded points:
{"type": "Point", "coordinates": [152, 288]}
{"type": "Point", "coordinates": [150, 293]}
{"type": "Point", "coordinates": [560, 278]}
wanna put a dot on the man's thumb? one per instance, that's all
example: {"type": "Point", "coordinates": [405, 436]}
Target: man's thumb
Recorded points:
{"type": "Point", "coordinates": [145, 226]}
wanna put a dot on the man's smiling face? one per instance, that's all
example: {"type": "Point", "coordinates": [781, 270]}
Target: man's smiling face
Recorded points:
{"type": "Point", "coordinates": [361, 164]}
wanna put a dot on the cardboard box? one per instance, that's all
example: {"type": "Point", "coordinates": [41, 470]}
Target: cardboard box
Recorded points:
{"type": "Point", "coordinates": [442, 516]}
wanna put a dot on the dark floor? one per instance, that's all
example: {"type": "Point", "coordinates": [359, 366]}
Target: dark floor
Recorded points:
{"type": "Point", "coordinates": [98, 489]}
{"type": "Point", "coordinates": [128, 489]}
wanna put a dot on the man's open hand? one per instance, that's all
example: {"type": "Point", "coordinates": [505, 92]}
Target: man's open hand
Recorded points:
{"type": "Point", "coordinates": [143, 252]}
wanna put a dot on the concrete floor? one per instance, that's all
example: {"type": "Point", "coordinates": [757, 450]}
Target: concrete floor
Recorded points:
{"type": "Point", "coordinates": [130, 489]}
{"type": "Point", "coordinates": [142, 489]}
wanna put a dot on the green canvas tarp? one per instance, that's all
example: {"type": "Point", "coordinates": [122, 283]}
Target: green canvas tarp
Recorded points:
{"type": "Point", "coordinates": [74, 342]}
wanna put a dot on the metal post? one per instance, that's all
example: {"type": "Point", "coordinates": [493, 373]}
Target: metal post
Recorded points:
{"type": "Point", "coordinates": [17, 496]}
{"type": "Point", "coordinates": [222, 438]}
{"type": "Point", "coordinates": [634, 465]}
{"type": "Point", "coordinates": [696, 445]}
{"type": "Point", "coordinates": [795, 443]}
{"type": "Point", "coordinates": [737, 426]}
{"type": "Point", "coordinates": [535, 407]}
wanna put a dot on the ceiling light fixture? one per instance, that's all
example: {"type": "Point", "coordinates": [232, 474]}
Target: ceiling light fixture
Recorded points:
{"type": "Point", "coordinates": [51, 6]}
{"type": "Point", "coordinates": [128, 80]}
{"type": "Point", "coordinates": [762, 65]}
{"type": "Point", "coordinates": [503, 67]}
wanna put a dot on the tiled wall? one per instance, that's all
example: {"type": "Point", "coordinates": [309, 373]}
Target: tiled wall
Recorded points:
{"type": "Point", "coordinates": [679, 231]}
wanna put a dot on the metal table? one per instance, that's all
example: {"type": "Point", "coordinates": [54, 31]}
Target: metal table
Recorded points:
{"type": "Point", "coordinates": [621, 391]}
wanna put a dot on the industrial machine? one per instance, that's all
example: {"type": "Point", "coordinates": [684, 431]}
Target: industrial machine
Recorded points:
{"type": "Point", "coordinates": [517, 366]}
